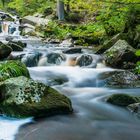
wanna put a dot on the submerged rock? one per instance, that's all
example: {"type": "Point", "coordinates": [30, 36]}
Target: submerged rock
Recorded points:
{"type": "Point", "coordinates": [23, 97]}
{"type": "Point", "coordinates": [122, 99]}
{"type": "Point", "coordinates": [4, 50]}
{"type": "Point", "coordinates": [9, 69]}
{"type": "Point", "coordinates": [122, 79]}
{"type": "Point", "coordinates": [120, 54]}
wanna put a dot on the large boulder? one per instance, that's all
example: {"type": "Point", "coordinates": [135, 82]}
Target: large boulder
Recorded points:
{"type": "Point", "coordinates": [125, 79]}
{"type": "Point", "coordinates": [109, 43]}
{"type": "Point", "coordinates": [23, 97]}
{"type": "Point", "coordinates": [17, 46]}
{"type": "Point", "coordinates": [4, 50]}
{"type": "Point", "coordinates": [120, 54]}
{"type": "Point", "coordinates": [9, 69]}
{"type": "Point", "coordinates": [122, 99]}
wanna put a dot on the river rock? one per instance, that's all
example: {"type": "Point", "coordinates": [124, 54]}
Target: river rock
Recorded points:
{"type": "Point", "coordinates": [23, 97]}
{"type": "Point", "coordinates": [84, 60]}
{"type": "Point", "coordinates": [17, 46]}
{"type": "Point", "coordinates": [5, 50]}
{"type": "Point", "coordinates": [73, 50]}
{"type": "Point", "coordinates": [67, 43]}
{"type": "Point", "coordinates": [52, 41]}
{"type": "Point", "coordinates": [108, 44]}
{"type": "Point", "coordinates": [135, 107]}
{"type": "Point", "coordinates": [122, 79]}
{"type": "Point", "coordinates": [11, 68]}
{"type": "Point", "coordinates": [55, 58]}
{"type": "Point", "coordinates": [31, 59]}
{"type": "Point", "coordinates": [119, 54]}
{"type": "Point", "coordinates": [122, 99]}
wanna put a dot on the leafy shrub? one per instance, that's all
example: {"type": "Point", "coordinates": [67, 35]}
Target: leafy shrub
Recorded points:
{"type": "Point", "coordinates": [138, 63]}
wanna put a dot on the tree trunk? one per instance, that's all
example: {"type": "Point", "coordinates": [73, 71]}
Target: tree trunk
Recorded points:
{"type": "Point", "coordinates": [60, 9]}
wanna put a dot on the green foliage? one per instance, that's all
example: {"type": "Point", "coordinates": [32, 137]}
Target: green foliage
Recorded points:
{"type": "Point", "coordinates": [138, 53]}
{"type": "Point", "coordinates": [137, 69]}
{"type": "Point", "coordinates": [84, 33]}
{"type": "Point", "coordinates": [9, 69]}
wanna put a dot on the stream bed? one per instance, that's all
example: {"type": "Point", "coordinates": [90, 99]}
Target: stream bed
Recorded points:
{"type": "Point", "coordinates": [93, 118]}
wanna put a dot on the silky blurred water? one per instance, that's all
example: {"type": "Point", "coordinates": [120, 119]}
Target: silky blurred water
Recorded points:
{"type": "Point", "coordinates": [93, 118]}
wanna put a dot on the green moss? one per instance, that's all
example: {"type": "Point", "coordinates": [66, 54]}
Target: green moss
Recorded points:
{"type": "Point", "coordinates": [9, 69]}
{"type": "Point", "coordinates": [122, 99]}
{"type": "Point", "coordinates": [23, 97]}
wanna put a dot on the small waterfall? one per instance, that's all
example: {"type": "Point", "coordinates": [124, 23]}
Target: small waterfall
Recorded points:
{"type": "Point", "coordinates": [10, 28]}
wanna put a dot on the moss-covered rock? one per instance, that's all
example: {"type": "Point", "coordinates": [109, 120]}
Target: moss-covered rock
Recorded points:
{"type": "Point", "coordinates": [125, 79]}
{"type": "Point", "coordinates": [23, 97]}
{"type": "Point", "coordinates": [122, 99]}
{"type": "Point", "coordinates": [9, 69]}
{"type": "Point", "coordinates": [109, 43]}
{"type": "Point", "coordinates": [120, 54]}
{"type": "Point", "coordinates": [4, 50]}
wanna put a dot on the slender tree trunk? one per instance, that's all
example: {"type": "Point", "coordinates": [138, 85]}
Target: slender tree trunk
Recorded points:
{"type": "Point", "coordinates": [60, 9]}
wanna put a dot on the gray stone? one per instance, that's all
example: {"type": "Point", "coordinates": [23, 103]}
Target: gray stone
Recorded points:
{"type": "Point", "coordinates": [120, 54]}
{"type": "Point", "coordinates": [23, 97]}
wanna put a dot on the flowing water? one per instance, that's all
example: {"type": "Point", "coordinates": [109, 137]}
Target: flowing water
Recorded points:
{"type": "Point", "coordinates": [93, 118]}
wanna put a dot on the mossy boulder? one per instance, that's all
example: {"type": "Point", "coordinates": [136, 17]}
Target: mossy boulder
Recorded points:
{"type": "Point", "coordinates": [120, 54]}
{"type": "Point", "coordinates": [4, 50]}
{"type": "Point", "coordinates": [122, 99]}
{"type": "Point", "coordinates": [17, 46]}
{"type": "Point", "coordinates": [11, 68]}
{"type": "Point", "coordinates": [123, 79]}
{"type": "Point", "coordinates": [109, 43]}
{"type": "Point", "coordinates": [23, 97]}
